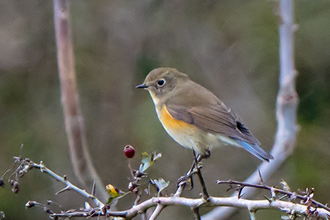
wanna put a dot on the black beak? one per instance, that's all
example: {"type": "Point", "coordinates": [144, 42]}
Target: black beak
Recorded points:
{"type": "Point", "coordinates": [142, 86]}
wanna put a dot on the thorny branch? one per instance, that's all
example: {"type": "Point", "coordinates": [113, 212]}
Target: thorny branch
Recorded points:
{"type": "Point", "coordinates": [305, 197]}
{"type": "Point", "coordinates": [292, 203]}
{"type": "Point", "coordinates": [252, 205]}
{"type": "Point", "coordinates": [24, 165]}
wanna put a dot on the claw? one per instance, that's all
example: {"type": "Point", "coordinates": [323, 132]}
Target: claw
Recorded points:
{"type": "Point", "coordinates": [185, 180]}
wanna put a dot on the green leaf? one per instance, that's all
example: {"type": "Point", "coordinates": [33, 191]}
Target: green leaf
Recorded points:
{"type": "Point", "coordinates": [161, 184]}
{"type": "Point", "coordinates": [156, 156]}
{"type": "Point", "coordinates": [148, 160]}
{"type": "Point", "coordinates": [285, 186]}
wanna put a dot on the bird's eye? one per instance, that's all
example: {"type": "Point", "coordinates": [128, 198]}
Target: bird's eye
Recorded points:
{"type": "Point", "coordinates": [161, 82]}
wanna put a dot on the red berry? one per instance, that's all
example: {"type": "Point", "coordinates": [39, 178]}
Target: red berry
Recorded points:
{"type": "Point", "coordinates": [129, 151]}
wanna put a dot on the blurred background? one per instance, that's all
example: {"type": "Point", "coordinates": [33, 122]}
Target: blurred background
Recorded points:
{"type": "Point", "coordinates": [229, 46]}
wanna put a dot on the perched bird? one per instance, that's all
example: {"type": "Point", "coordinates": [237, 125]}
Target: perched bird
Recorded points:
{"type": "Point", "coordinates": [194, 117]}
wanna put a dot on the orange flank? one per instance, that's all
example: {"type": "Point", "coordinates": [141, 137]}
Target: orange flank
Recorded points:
{"type": "Point", "coordinates": [171, 123]}
{"type": "Point", "coordinates": [182, 132]}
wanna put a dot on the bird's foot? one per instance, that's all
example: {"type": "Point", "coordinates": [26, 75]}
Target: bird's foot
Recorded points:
{"type": "Point", "coordinates": [186, 180]}
{"type": "Point", "coordinates": [197, 169]}
{"type": "Point", "coordinates": [206, 154]}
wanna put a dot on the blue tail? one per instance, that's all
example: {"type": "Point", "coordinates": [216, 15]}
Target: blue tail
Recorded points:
{"type": "Point", "coordinates": [255, 150]}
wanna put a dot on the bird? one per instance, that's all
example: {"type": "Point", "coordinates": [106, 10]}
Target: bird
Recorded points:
{"type": "Point", "coordinates": [196, 118]}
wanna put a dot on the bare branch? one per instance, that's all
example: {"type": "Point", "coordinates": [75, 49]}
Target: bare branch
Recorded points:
{"type": "Point", "coordinates": [69, 185]}
{"type": "Point", "coordinates": [197, 214]}
{"type": "Point", "coordinates": [82, 164]}
{"type": "Point", "coordinates": [252, 215]}
{"type": "Point", "coordinates": [156, 212]}
{"type": "Point", "coordinates": [300, 203]}
{"type": "Point", "coordinates": [291, 195]}
{"type": "Point", "coordinates": [179, 190]}
{"type": "Point", "coordinates": [286, 108]}
{"type": "Point", "coordinates": [252, 205]}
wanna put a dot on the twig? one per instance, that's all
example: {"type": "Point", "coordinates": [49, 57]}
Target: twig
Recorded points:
{"type": "Point", "coordinates": [144, 216]}
{"type": "Point", "coordinates": [196, 214]}
{"type": "Point", "coordinates": [69, 185]}
{"type": "Point", "coordinates": [74, 125]}
{"type": "Point", "coordinates": [156, 212]}
{"type": "Point", "coordinates": [286, 108]}
{"type": "Point", "coordinates": [252, 215]}
{"type": "Point", "coordinates": [179, 190]}
{"type": "Point", "coordinates": [274, 190]}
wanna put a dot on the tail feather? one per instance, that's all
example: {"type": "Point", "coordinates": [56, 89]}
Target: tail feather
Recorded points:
{"type": "Point", "coordinates": [255, 150]}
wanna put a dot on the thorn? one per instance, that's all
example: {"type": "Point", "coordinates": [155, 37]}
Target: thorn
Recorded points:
{"type": "Point", "coordinates": [21, 149]}
{"type": "Point", "coordinates": [88, 206]}
{"type": "Point", "coordinates": [272, 192]}
{"type": "Point", "coordinates": [282, 197]}
{"type": "Point", "coordinates": [268, 199]}
{"type": "Point", "coordinates": [229, 188]}
{"type": "Point", "coordinates": [93, 188]}
{"type": "Point", "coordinates": [261, 180]}
{"type": "Point", "coordinates": [240, 189]}
{"type": "Point", "coordinates": [17, 159]}
{"type": "Point", "coordinates": [62, 190]}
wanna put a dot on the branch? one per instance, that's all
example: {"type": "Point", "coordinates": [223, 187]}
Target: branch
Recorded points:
{"type": "Point", "coordinates": [74, 125]}
{"type": "Point", "coordinates": [286, 108]}
{"type": "Point", "coordinates": [156, 212]}
{"type": "Point", "coordinates": [307, 198]}
{"type": "Point", "coordinates": [251, 205]}
{"type": "Point", "coordinates": [282, 199]}
{"type": "Point", "coordinates": [24, 165]}
{"type": "Point", "coordinates": [69, 185]}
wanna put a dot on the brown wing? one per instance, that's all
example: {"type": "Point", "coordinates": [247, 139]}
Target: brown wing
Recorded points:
{"type": "Point", "coordinates": [204, 110]}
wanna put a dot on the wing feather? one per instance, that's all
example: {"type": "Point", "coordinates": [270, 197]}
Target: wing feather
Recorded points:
{"type": "Point", "coordinates": [204, 110]}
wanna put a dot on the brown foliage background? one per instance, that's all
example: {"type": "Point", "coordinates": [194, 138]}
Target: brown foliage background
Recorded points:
{"type": "Point", "coordinates": [230, 47]}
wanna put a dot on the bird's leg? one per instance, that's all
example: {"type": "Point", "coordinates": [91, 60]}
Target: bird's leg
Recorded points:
{"type": "Point", "coordinates": [183, 180]}
{"type": "Point", "coordinates": [195, 168]}
{"type": "Point", "coordinates": [199, 174]}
